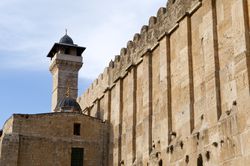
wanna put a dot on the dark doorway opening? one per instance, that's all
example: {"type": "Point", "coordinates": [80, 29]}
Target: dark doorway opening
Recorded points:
{"type": "Point", "coordinates": [77, 155]}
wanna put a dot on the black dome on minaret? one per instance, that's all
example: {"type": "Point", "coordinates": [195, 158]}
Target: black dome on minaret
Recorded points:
{"type": "Point", "coordinates": [64, 43]}
{"type": "Point", "coordinates": [68, 104]}
{"type": "Point", "coordinates": [66, 39]}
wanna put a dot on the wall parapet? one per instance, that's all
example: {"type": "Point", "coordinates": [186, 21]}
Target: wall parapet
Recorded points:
{"type": "Point", "coordinates": [164, 23]}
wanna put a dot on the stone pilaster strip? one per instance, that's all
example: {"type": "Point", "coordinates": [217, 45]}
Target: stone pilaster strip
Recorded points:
{"type": "Point", "coordinates": [134, 70]}
{"type": "Point", "coordinates": [191, 75]}
{"type": "Point", "coordinates": [216, 59]}
{"type": "Point", "coordinates": [120, 82]}
{"type": "Point", "coordinates": [169, 90]}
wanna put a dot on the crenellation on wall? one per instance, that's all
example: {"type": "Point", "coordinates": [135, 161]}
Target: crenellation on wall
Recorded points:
{"type": "Point", "coordinates": [152, 21]}
{"type": "Point", "coordinates": [123, 51]}
{"type": "Point", "coordinates": [148, 32]}
{"type": "Point", "coordinates": [160, 13]}
{"type": "Point", "coordinates": [130, 46]}
{"type": "Point", "coordinates": [111, 64]}
{"type": "Point", "coordinates": [117, 60]}
{"type": "Point", "coordinates": [151, 32]}
{"type": "Point", "coordinates": [144, 30]}
{"type": "Point", "coordinates": [136, 38]}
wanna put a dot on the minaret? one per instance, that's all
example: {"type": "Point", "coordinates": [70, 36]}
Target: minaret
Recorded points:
{"type": "Point", "coordinates": [66, 61]}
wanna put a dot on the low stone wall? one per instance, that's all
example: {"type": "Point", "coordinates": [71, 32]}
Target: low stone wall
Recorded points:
{"type": "Point", "coordinates": [47, 139]}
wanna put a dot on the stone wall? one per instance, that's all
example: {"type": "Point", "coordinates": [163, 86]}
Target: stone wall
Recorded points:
{"type": "Point", "coordinates": [47, 139]}
{"type": "Point", "coordinates": [179, 92]}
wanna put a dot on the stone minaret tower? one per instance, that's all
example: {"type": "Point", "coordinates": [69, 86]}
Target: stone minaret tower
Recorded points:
{"type": "Point", "coordinates": [66, 61]}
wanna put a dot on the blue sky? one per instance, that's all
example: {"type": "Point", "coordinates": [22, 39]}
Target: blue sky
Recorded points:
{"type": "Point", "coordinates": [29, 28]}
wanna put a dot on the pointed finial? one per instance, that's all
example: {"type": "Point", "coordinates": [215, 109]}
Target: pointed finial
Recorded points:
{"type": "Point", "coordinates": [66, 31]}
{"type": "Point", "coordinates": [67, 94]}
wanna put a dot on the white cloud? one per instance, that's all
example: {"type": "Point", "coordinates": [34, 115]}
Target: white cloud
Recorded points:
{"type": "Point", "coordinates": [29, 29]}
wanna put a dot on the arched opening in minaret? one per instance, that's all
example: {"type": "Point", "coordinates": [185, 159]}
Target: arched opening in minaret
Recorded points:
{"type": "Point", "coordinates": [67, 51]}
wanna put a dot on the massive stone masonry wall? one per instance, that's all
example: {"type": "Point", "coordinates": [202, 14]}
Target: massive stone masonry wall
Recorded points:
{"type": "Point", "coordinates": [179, 92]}
{"type": "Point", "coordinates": [47, 139]}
